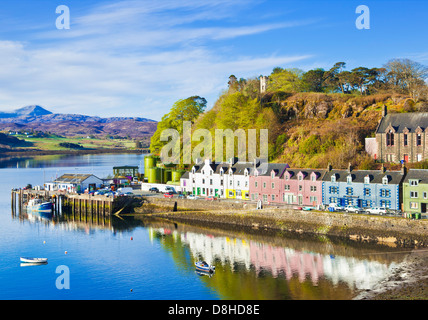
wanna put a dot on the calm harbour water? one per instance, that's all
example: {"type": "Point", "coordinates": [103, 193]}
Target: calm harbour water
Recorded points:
{"type": "Point", "coordinates": [136, 258]}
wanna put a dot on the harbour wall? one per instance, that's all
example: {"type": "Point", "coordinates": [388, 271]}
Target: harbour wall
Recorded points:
{"type": "Point", "coordinates": [360, 227]}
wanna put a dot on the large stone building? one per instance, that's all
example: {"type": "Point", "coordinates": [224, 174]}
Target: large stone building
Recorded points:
{"type": "Point", "coordinates": [400, 137]}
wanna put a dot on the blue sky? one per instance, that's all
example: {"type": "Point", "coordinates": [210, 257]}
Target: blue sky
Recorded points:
{"type": "Point", "coordinates": [136, 58]}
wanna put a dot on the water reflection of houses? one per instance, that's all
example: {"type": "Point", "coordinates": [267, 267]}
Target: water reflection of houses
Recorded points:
{"type": "Point", "coordinates": [285, 262]}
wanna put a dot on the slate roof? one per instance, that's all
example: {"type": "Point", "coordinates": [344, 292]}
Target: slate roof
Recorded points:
{"type": "Point", "coordinates": [307, 173]}
{"type": "Point", "coordinates": [404, 120]}
{"type": "Point", "coordinates": [394, 177]}
{"type": "Point", "coordinates": [73, 178]}
{"type": "Point", "coordinates": [279, 168]}
{"type": "Point", "coordinates": [417, 174]}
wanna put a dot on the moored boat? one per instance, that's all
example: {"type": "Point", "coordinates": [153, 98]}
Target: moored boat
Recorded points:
{"type": "Point", "coordinates": [39, 205]}
{"type": "Point", "coordinates": [33, 260]}
{"type": "Point", "coordinates": [204, 267]}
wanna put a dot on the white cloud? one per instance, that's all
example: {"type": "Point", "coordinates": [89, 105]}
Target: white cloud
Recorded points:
{"type": "Point", "coordinates": [132, 58]}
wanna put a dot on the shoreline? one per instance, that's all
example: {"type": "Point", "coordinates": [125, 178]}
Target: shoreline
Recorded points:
{"type": "Point", "coordinates": [30, 153]}
{"type": "Point", "coordinates": [408, 281]}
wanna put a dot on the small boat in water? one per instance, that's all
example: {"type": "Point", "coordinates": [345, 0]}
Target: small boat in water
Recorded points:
{"type": "Point", "coordinates": [34, 260]}
{"type": "Point", "coordinates": [204, 267]}
{"type": "Point", "coordinates": [39, 206]}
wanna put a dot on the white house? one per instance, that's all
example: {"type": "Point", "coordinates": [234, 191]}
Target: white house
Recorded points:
{"type": "Point", "coordinates": [223, 180]}
{"type": "Point", "coordinates": [207, 179]}
{"type": "Point", "coordinates": [75, 183]}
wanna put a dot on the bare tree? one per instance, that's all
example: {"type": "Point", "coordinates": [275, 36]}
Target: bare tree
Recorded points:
{"type": "Point", "coordinates": [407, 75]}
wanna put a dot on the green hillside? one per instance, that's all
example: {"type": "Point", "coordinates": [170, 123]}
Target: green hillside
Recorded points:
{"type": "Point", "coordinates": [315, 117]}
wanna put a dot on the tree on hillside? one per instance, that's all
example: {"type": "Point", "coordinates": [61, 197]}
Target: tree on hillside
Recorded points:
{"type": "Point", "coordinates": [314, 80]}
{"type": "Point", "coordinates": [407, 75]}
{"type": "Point", "coordinates": [182, 110]}
{"type": "Point", "coordinates": [287, 80]}
{"type": "Point", "coordinates": [336, 78]}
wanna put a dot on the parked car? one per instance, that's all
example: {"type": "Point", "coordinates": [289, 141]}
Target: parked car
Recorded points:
{"type": "Point", "coordinates": [154, 189]}
{"type": "Point", "coordinates": [168, 195]}
{"type": "Point", "coordinates": [353, 209]}
{"type": "Point", "coordinates": [376, 210]}
{"type": "Point", "coordinates": [335, 207]}
{"type": "Point", "coordinates": [210, 198]}
{"type": "Point", "coordinates": [181, 196]}
{"type": "Point", "coordinates": [192, 197]}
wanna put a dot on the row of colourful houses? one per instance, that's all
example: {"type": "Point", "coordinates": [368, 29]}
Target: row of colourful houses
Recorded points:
{"type": "Point", "coordinates": [276, 183]}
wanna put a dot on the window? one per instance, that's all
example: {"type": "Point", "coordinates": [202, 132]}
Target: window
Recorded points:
{"type": "Point", "coordinates": [300, 188]}
{"type": "Point", "coordinates": [253, 196]}
{"type": "Point", "coordinates": [265, 198]}
{"type": "Point", "coordinates": [238, 193]}
{"type": "Point", "coordinates": [314, 177]}
{"type": "Point", "coordinates": [390, 138]}
{"type": "Point", "coordinates": [334, 190]}
{"type": "Point", "coordinates": [366, 180]}
{"type": "Point", "coordinates": [385, 180]}
{"type": "Point", "coordinates": [230, 183]}
{"type": "Point", "coordinates": [272, 175]}
{"type": "Point", "coordinates": [221, 182]}
{"type": "Point", "coordinates": [413, 182]}
{"type": "Point", "coordinates": [367, 192]}
{"type": "Point", "coordinates": [273, 185]}
{"type": "Point", "coordinates": [425, 195]}
{"type": "Point", "coordinates": [405, 142]}
{"type": "Point", "coordinates": [287, 187]}
{"type": "Point", "coordinates": [385, 193]}
{"type": "Point", "coordinates": [287, 177]}
{"type": "Point", "coordinates": [231, 194]}
{"type": "Point", "coordinates": [313, 199]}
{"type": "Point", "coordinates": [313, 188]}
{"type": "Point", "coordinates": [255, 184]}
{"type": "Point", "coordinates": [246, 184]}
{"type": "Point", "coordinates": [414, 194]}
{"type": "Point", "coordinates": [238, 183]}
{"type": "Point", "coordinates": [413, 205]}
{"type": "Point", "coordinates": [300, 177]}
{"type": "Point", "coordinates": [349, 191]}
{"type": "Point", "coordinates": [264, 185]}
{"type": "Point", "coordinates": [273, 197]}
{"type": "Point", "coordinates": [349, 179]}
{"type": "Point", "coordinates": [419, 139]}
{"type": "Point", "coordinates": [333, 178]}
{"type": "Point", "coordinates": [203, 181]}
{"type": "Point", "coordinates": [385, 203]}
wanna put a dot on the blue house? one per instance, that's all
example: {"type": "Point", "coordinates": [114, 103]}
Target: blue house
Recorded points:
{"type": "Point", "coordinates": [363, 188]}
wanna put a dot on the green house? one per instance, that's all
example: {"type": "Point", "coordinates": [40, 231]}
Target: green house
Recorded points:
{"type": "Point", "coordinates": [415, 191]}
{"type": "Point", "coordinates": [125, 171]}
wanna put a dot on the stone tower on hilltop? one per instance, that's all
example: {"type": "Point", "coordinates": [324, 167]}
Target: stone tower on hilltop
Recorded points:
{"type": "Point", "coordinates": [263, 84]}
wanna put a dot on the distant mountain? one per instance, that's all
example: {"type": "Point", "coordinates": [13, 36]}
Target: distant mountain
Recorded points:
{"type": "Point", "coordinates": [30, 111]}
{"type": "Point", "coordinates": [36, 118]}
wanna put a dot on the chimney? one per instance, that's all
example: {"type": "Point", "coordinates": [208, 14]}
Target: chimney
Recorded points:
{"type": "Point", "coordinates": [383, 169]}
{"type": "Point", "coordinates": [329, 167]}
{"type": "Point", "coordinates": [349, 167]}
{"type": "Point", "coordinates": [403, 170]}
{"type": "Point", "coordinates": [384, 111]}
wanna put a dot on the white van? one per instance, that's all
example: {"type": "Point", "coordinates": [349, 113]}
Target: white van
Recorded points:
{"type": "Point", "coordinates": [124, 190]}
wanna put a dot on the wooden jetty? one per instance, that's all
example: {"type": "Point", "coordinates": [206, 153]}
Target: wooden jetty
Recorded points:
{"type": "Point", "coordinates": [82, 204]}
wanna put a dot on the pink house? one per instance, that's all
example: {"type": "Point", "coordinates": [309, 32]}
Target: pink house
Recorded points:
{"type": "Point", "coordinates": [266, 182]}
{"type": "Point", "coordinates": [302, 187]}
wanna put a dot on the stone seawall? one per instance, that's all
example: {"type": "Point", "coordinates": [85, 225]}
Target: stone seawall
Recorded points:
{"type": "Point", "coordinates": [361, 227]}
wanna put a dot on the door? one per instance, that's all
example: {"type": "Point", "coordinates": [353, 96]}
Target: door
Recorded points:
{"type": "Point", "coordinates": [406, 158]}
{"type": "Point", "coordinates": [300, 199]}
{"type": "Point", "coordinates": [423, 207]}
